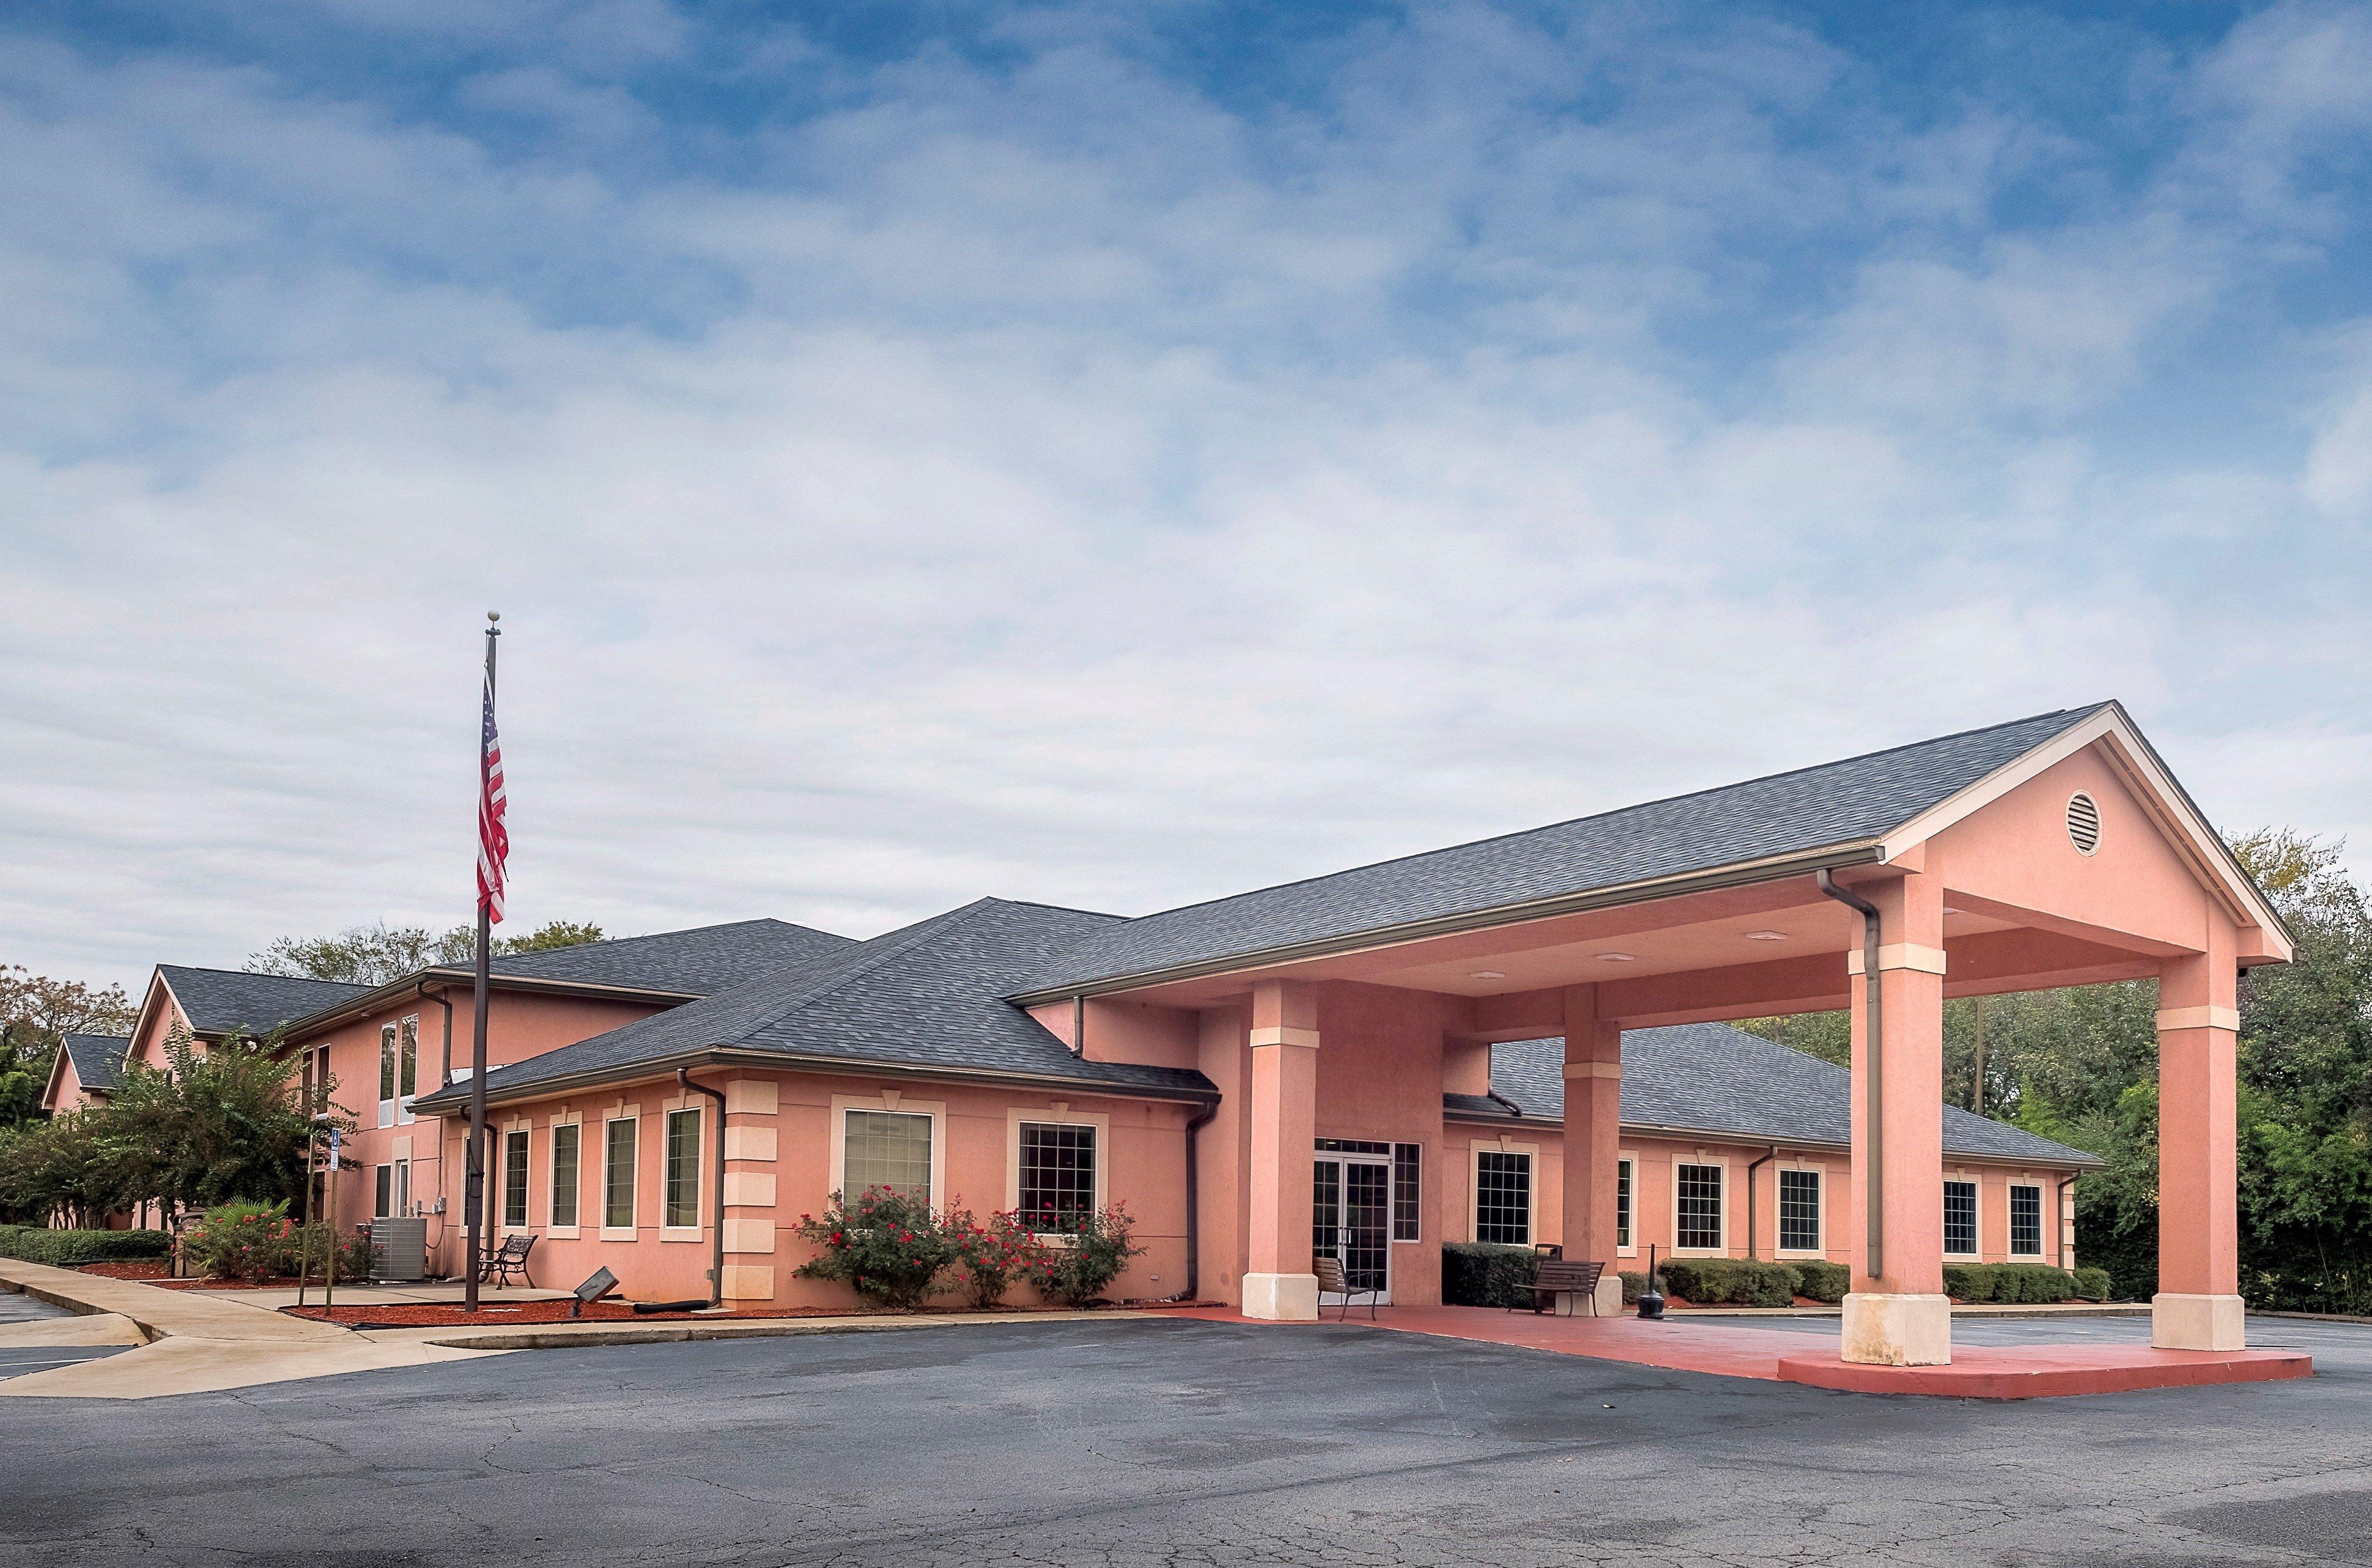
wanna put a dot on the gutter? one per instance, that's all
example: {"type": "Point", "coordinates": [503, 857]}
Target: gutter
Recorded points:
{"type": "Point", "coordinates": [1866, 851]}
{"type": "Point", "coordinates": [2081, 1161]}
{"type": "Point", "coordinates": [716, 1186]}
{"type": "Point", "coordinates": [1873, 988]}
{"type": "Point", "coordinates": [839, 1066]}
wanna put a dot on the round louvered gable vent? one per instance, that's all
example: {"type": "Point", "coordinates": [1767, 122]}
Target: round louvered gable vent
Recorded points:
{"type": "Point", "coordinates": [2083, 822]}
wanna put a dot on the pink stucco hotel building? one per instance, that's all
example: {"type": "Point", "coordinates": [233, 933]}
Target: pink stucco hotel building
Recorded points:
{"type": "Point", "coordinates": [1520, 1040]}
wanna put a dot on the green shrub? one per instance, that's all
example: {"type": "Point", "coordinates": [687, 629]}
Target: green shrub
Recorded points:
{"type": "Point", "coordinates": [1731, 1282]}
{"type": "Point", "coordinates": [1823, 1280]}
{"type": "Point", "coordinates": [8, 1233]}
{"type": "Point", "coordinates": [1633, 1287]}
{"type": "Point", "coordinates": [67, 1249]}
{"type": "Point", "coordinates": [886, 1246]}
{"type": "Point", "coordinates": [994, 1255]}
{"type": "Point", "coordinates": [1481, 1273]}
{"type": "Point", "coordinates": [2007, 1285]}
{"type": "Point", "coordinates": [1096, 1246]}
{"type": "Point", "coordinates": [2091, 1285]}
{"type": "Point", "coordinates": [252, 1242]}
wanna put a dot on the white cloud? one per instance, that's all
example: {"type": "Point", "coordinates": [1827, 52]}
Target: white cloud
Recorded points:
{"type": "Point", "coordinates": [1049, 479]}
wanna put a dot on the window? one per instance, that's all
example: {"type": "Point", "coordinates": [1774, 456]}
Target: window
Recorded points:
{"type": "Point", "coordinates": [563, 1175]}
{"type": "Point", "coordinates": [617, 1179]}
{"type": "Point", "coordinates": [1502, 1197]}
{"type": "Point", "coordinates": [1352, 1146]}
{"type": "Point", "coordinates": [1799, 1211]}
{"type": "Point", "coordinates": [515, 1179]}
{"type": "Point", "coordinates": [1623, 1205]}
{"type": "Point", "coordinates": [392, 1195]}
{"type": "Point", "coordinates": [1408, 1164]}
{"type": "Point", "coordinates": [1960, 1218]}
{"type": "Point", "coordinates": [407, 1067]}
{"type": "Point", "coordinates": [2025, 1221]}
{"type": "Point", "coordinates": [682, 1206]}
{"type": "Point", "coordinates": [890, 1149]}
{"type": "Point", "coordinates": [386, 1075]}
{"type": "Point", "coordinates": [1058, 1172]}
{"type": "Point", "coordinates": [1697, 1223]}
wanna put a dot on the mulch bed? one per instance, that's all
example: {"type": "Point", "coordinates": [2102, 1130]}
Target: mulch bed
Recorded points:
{"type": "Point", "coordinates": [151, 1273]}
{"type": "Point", "coordinates": [503, 1314]}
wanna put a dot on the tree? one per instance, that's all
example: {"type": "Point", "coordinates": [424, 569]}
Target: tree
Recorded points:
{"type": "Point", "coordinates": [57, 1170]}
{"type": "Point", "coordinates": [379, 952]}
{"type": "Point", "coordinates": [36, 1014]}
{"type": "Point", "coordinates": [210, 1125]}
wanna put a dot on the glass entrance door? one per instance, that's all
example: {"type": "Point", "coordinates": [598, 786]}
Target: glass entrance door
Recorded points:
{"type": "Point", "coordinates": [1351, 1219]}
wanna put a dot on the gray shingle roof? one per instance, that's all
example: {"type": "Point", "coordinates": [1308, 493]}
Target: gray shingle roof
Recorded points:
{"type": "Point", "coordinates": [929, 996]}
{"type": "Point", "coordinates": [1714, 1078]}
{"type": "Point", "coordinates": [1812, 808]}
{"type": "Point", "coordinates": [696, 962]}
{"type": "Point", "coordinates": [98, 1060]}
{"type": "Point", "coordinates": [218, 1001]}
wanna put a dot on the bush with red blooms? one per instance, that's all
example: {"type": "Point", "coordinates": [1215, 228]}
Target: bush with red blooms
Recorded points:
{"type": "Point", "coordinates": [994, 1255]}
{"type": "Point", "coordinates": [1086, 1251]}
{"type": "Point", "coordinates": [886, 1244]}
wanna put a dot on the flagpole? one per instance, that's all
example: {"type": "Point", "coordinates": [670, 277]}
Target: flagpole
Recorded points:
{"type": "Point", "coordinates": [475, 1186]}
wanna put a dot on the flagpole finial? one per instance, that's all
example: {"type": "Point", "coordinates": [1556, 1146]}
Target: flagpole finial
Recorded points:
{"type": "Point", "coordinates": [494, 615]}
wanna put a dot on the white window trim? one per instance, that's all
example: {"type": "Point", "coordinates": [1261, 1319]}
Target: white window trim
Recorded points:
{"type": "Point", "coordinates": [2009, 1220]}
{"type": "Point", "coordinates": [1625, 1156]}
{"type": "Point", "coordinates": [1978, 1183]}
{"type": "Point", "coordinates": [695, 1230]}
{"type": "Point", "coordinates": [551, 1182]}
{"type": "Point", "coordinates": [612, 1231]}
{"type": "Point", "coordinates": [1474, 1153]}
{"type": "Point", "coordinates": [399, 1185]}
{"type": "Point", "coordinates": [405, 1115]}
{"type": "Point", "coordinates": [936, 1109]}
{"type": "Point", "coordinates": [501, 1192]}
{"type": "Point", "coordinates": [1720, 1163]}
{"type": "Point", "coordinates": [1057, 1115]}
{"type": "Point", "coordinates": [1778, 1230]}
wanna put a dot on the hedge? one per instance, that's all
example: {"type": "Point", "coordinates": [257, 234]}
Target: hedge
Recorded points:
{"type": "Point", "coordinates": [1732, 1282]}
{"type": "Point", "coordinates": [1822, 1280]}
{"type": "Point", "coordinates": [1633, 1287]}
{"type": "Point", "coordinates": [1478, 1274]}
{"type": "Point", "coordinates": [2008, 1283]}
{"type": "Point", "coordinates": [65, 1249]}
{"type": "Point", "coordinates": [2092, 1284]}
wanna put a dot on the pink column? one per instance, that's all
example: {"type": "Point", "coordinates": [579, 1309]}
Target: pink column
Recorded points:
{"type": "Point", "coordinates": [1283, 1143]}
{"type": "Point", "coordinates": [1593, 1136]}
{"type": "Point", "coordinates": [2198, 1303]}
{"type": "Point", "coordinates": [1896, 1312]}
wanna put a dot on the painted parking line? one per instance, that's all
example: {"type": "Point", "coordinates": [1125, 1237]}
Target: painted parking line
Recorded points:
{"type": "Point", "coordinates": [16, 1364]}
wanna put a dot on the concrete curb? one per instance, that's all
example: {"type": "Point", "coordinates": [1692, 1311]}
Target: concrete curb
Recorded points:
{"type": "Point", "coordinates": [561, 1336]}
{"type": "Point", "coordinates": [1976, 1310]}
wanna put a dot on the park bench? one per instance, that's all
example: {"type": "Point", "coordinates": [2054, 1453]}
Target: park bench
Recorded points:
{"type": "Point", "coordinates": [507, 1261]}
{"type": "Point", "coordinates": [1557, 1277]}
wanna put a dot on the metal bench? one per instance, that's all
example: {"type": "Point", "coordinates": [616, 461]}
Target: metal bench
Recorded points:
{"type": "Point", "coordinates": [1331, 1278]}
{"type": "Point", "coordinates": [507, 1261]}
{"type": "Point", "coordinates": [1557, 1277]}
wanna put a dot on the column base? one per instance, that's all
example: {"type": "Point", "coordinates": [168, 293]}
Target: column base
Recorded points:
{"type": "Point", "coordinates": [2198, 1322]}
{"type": "Point", "coordinates": [1897, 1331]}
{"type": "Point", "coordinates": [1283, 1298]}
{"type": "Point", "coordinates": [1609, 1294]}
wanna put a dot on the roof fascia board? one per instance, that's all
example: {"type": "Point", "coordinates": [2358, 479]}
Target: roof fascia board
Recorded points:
{"type": "Point", "coordinates": [397, 989]}
{"type": "Point", "coordinates": [1655, 1130]}
{"type": "Point", "coordinates": [2161, 795]}
{"type": "Point", "coordinates": [843, 1067]}
{"type": "Point", "coordinates": [1773, 869]}
{"type": "Point", "coordinates": [57, 1073]}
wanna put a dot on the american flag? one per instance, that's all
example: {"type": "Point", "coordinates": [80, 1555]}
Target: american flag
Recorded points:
{"type": "Point", "coordinates": [494, 835]}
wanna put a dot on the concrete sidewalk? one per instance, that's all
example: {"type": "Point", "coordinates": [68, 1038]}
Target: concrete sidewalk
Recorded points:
{"type": "Point", "coordinates": [197, 1340]}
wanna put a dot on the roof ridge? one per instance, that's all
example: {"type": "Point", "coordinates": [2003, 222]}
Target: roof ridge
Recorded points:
{"type": "Point", "coordinates": [261, 975]}
{"type": "Point", "coordinates": [1619, 810]}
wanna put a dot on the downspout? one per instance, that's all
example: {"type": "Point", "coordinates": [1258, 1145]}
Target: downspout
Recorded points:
{"type": "Point", "coordinates": [1079, 1024]}
{"type": "Point", "coordinates": [1873, 1071]}
{"type": "Point", "coordinates": [1513, 1108]}
{"type": "Point", "coordinates": [716, 1185]}
{"type": "Point", "coordinates": [1194, 1124]}
{"type": "Point", "coordinates": [445, 1000]}
{"type": "Point", "coordinates": [1750, 1207]}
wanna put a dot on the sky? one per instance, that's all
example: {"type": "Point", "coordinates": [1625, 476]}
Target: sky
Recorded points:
{"type": "Point", "coordinates": [1120, 455]}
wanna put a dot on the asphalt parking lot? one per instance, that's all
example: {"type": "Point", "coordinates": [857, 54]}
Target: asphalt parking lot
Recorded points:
{"type": "Point", "coordinates": [18, 1360]}
{"type": "Point", "coordinates": [1156, 1442]}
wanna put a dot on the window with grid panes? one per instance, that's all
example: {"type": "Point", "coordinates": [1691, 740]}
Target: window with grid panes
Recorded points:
{"type": "Point", "coordinates": [1408, 1169]}
{"type": "Point", "coordinates": [1698, 1191]}
{"type": "Point", "coordinates": [1799, 1211]}
{"type": "Point", "coordinates": [1502, 1197]}
{"type": "Point", "coordinates": [2026, 1221]}
{"type": "Point", "coordinates": [1058, 1173]}
{"type": "Point", "coordinates": [1960, 1219]}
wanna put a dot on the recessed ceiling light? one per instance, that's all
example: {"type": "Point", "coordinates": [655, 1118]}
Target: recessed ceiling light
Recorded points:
{"type": "Point", "coordinates": [1486, 974]}
{"type": "Point", "coordinates": [1766, 937]}
{"type": "Point", "coordinates": [1618, 957]}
